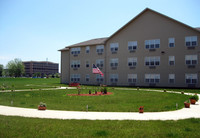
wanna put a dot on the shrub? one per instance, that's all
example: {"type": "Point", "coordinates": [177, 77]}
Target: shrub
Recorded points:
{"type": "Point", "coordinates": [195, 97]}
{"type": "Point", "coordinates": [105, 90]}
{"type": "Point", "coordinates": [42, 104]}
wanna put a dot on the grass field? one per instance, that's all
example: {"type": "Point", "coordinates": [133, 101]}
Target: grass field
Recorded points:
{"type": "Point", "coordinates": [17, 127]}
{"type": "Point", "coordinates": [121, 100]}
{"type": "Point", "coordinates": [28, 83]}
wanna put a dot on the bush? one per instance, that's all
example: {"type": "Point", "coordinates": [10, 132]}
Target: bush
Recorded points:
{"type": "Point", "coordinates": [42, 104]}
{"type": "Point", "coordinates": [195, 97]}
{"type": "Point", "coordinates": [105, 90]}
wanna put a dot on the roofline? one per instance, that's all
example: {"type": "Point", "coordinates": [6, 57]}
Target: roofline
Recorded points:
{"type": "Point", "coordinates": [75, 45]}
{"type": "Point", "coordinates": [145, 10]}
{"type": "Point", "coordinates": [64, 49]}
{"type": "Point", "coordinates": [39, 62]}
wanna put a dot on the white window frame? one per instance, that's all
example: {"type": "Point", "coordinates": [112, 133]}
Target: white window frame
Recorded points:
{"type": "Point", "coordinates": [114, 78]}
{"type": "Point", "coordinates": [132, 78]}
{"type": "Point", "coordinates": [75, 64]}
{"type": "Point", "coordinates": [87, 77]}
{"type": "Point", "coordinates": [191, 59]}
{"type": "Point", "coordinates": [132, 62]}
{"type": "Point", "coordinates": [190, 40]}
{"type": "Point", "coordinates": [75, 77]}
{"type": "Point", "coordinates": [99, 78]}
{"type": "Point", "coordinates": [100, 49]}
{"type": "Point", "coordinates": [191, 77]}
{"type": "Point", "coordinates": [132, 45]}
{"type": "Point", "coordinates": [171, 77]}
{"type": "Point", "coordinates": [152, 44]}
{"type": "Point", "coordinates": [114, 62]}
{"type": "Point", "coordinates": [152, 59]}
{"type": "Point", "coordinates": [87, 62]}
{"type": "Point", "coordinates": [153, 78]}
{"type": "Point", "coordinates": [87, 49]}
{"type": "Point", "coordinates": [114, 47]}
{"type": "Point", "coordinates": [171, 42]}
{"type": "Point", "coordinates": [100, 63]}
{"type": "Point", "coordinates": [171, 60]}
{"type": "Point", "coordinates": [75, 51]}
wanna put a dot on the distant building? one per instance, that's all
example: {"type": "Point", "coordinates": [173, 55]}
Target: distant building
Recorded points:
{"type": "Point", "coordinates": [152, 50]}
{"type": "Point", "coordinates": [42, 67]}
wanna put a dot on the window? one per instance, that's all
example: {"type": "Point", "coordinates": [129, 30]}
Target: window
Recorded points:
{"type": "Point", "coordinates": [171, 42]}
{"type": "Point", "coordinates": [171, 60]}
{"type": "Point", "coordinates": [87, 77]}
{"type": "Point", "coordinates": [152, 44]}
{"type": "Point", "coordinates": [87, 49]}
{"type": "Point", "coordinates": [99, 63]}
{"type": "Point", "coordinates": [75, 77]}
{"type": "Point", "coordinates": [114, 62]}
{"type": "Point", "coordinates": [75, 64]}
{"type": "Point", "coordinates": [114, 47]}
{"type": "Point", "coordinates": [132, 62]}
{"type": "Point", "coordinates": [191, 41]}
{"type": "Point", "coordinates": [75, 51]}
{"type": "Point", "coordinates": [132, 45]}
{"type": "Point", "coordinates": [152, 61]}
{"type": "Point", "coordinates": [100, 49]}
{"type": "Point", "coordinates": [99, 78]}
{"type": "Point", "coordinates": [171, 78]}
{"type": "Point", "coordinates": [191, 59]}
{"type": "Point", "coordinates": [132, 78]}
{"type": "Point", "coordinates": [152, 78]}
{"type": "Point", "coordinates": [191, 78]}
{"type": "Point", "coordinates": [113, 78]}
{"type": "Point", "coordinates": [87, 63]}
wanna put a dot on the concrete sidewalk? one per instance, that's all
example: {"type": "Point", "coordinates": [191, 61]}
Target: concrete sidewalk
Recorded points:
{"type": "Point", "coordinates": [192, 112]}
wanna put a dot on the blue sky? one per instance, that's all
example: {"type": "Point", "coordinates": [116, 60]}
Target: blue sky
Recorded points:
{"type": "Point", "coordinates": [36, 29]}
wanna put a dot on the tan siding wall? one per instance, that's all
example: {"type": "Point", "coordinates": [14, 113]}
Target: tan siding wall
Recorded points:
{"type": "Point", "coordinates": [65, 67]}
{"type": "Point", "coordinates": [92, 56]}
{"type": "Point", "coordinates": [148, 26]}
{"type": "Point", "coordinates": [152, 26]}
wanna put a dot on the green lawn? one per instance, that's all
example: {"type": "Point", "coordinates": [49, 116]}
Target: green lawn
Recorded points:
{"type": "Point", "coordinates": [119, 101]}
{"type": "Point", "coordinates": [17, 127]}
{"type": "Point", "coordinates": [28, 83]}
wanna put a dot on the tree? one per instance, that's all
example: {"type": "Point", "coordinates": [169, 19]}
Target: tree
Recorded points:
{"type": "Point", "coordinates": [37, 74]}
{"type": "Point", "coordinates": [15, 67]}
{"type": "Point", "coordinates": [1, 70]}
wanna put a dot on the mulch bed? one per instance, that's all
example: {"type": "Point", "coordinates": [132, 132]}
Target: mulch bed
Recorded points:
{"type": "Point", "coordinates": [93, 94]}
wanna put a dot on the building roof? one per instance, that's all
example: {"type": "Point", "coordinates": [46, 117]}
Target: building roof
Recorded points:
{"type": "Point", "coordinates": [64, 49]}
{"type": "Point", "coordinates": [39, 62]}
{"type": "Point", "coordinates": [97, 41]}
{"type": "Point", "coordinates": [100, 41]}
{"type": "Point", "coordinates": [198, 28]}
{"type": "Point", "coordinates": [150, 10]}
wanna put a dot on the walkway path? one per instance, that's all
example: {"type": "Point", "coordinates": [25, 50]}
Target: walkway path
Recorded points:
{"type": "Point", "coordinates": [192, 112]}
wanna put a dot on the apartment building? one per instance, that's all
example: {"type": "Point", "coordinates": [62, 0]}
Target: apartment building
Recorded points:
{"type": "Point", "coordinates": [151, 50]}
{"type": "Point", "coordinates": [43, 67]}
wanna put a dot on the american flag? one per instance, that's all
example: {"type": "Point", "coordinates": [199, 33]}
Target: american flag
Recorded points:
{"type": "Point", "coordinates": [96, 70]}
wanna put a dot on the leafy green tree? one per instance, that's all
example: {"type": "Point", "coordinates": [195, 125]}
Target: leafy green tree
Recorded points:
{"type": "Point", "coordinates": [1, 70]}
{"type": "Point", "coordinates": [37, 74]}
{"type": "Point", "coordinates": [57, 75]}
{"type": "Point", "coordinates": [15, 67]}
